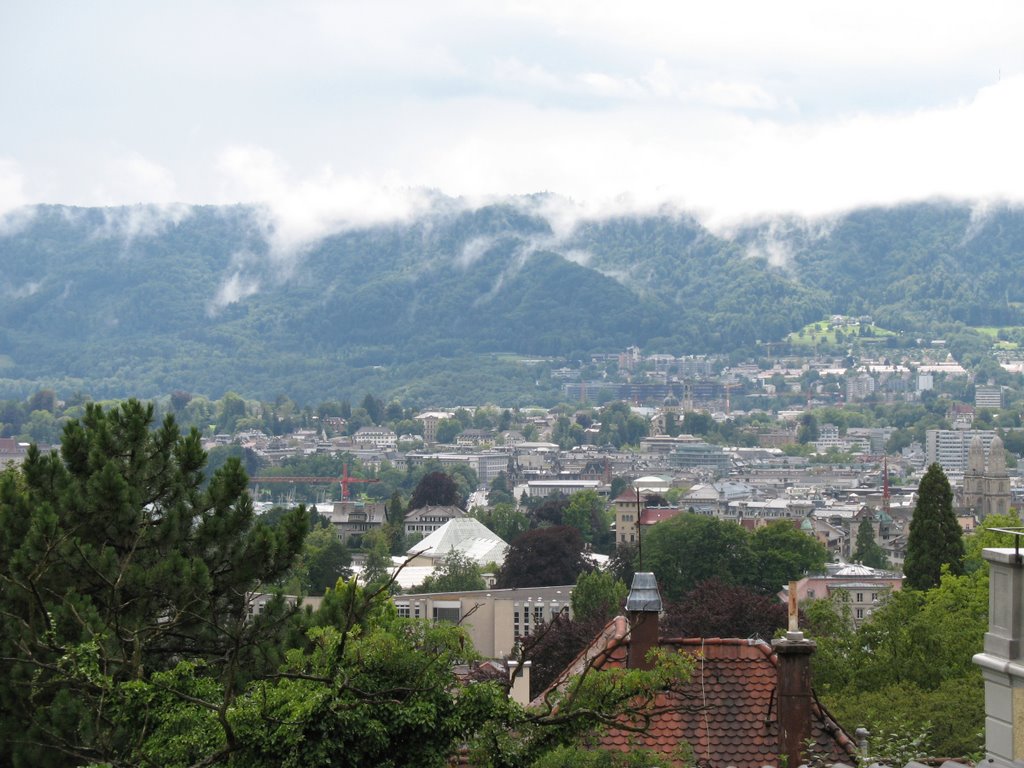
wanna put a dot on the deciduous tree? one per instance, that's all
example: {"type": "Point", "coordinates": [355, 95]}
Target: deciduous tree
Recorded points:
{"type": "Point", "coordinates": [544, 557]}
{"type": "Point", "coordinates": [716, 609]}
{"type": "Point", "coordinates": [688, 549]}
{"type": "Point", "coordinates": [436, 489]}
{"type": "Point", "coordinates": [457, 573]}
{"type": "Point", "coordinates": [598, 596]}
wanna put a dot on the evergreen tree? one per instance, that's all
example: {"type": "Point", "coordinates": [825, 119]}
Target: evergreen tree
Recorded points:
{"type": "Point", "coordinates": [935, 535]}
{"type": "Point", "coordinates": [866, 550]}
{"type": "Point", "coordinates": [115, 564]}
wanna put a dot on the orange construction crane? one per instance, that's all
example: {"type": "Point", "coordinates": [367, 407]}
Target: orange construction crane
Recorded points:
{"type": "Point", "coordinates": [345, 480]}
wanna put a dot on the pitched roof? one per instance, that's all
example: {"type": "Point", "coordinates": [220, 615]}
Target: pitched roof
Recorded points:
{"type": "Point", "coordinates": [733, 688]}
{"type": "Point", "coordinates": [469, 536]}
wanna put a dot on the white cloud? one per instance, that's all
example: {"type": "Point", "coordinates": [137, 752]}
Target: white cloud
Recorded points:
{"type": "Point", "coordinates": [302, 210]}
{"type": "Point", "coordinates": [235, 288]}
{"type": "Point", "coordinates": [473, 250]}
{"type": "Point", "coordinates": [129, 177]}
{"type": "Point", "coordinates": [12, 193]}
{"type": "Point", "coordinates": [335, 115]}
{"type": "Point", "coordinates": [130, 222]}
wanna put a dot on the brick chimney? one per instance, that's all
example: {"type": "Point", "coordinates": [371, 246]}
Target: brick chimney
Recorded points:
{"type": "Point", "coordinates": [642, 608]}
{"type": "Point", "coordinates": [1001, 663]}
{"type": "Point", "coordinates": [793, 690]}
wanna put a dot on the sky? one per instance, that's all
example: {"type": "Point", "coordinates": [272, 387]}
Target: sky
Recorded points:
{"type": "Point", "coordinates": [350, 112]}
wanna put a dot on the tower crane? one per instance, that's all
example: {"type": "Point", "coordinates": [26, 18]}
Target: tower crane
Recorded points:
{"type": "Point", "coordinates": [345, 480]}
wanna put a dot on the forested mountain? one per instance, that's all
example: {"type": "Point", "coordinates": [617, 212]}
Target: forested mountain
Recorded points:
{"type": "Point", "coordinates": [144, 301]}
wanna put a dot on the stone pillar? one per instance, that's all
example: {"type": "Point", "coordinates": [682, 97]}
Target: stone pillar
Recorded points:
{"type": "Point", "coordinates": [794, 694]}
{"type": "Point", "coordinates": [1001, 663]}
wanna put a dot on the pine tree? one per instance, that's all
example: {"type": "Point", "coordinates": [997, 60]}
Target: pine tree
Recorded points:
{"type": "Point", "coordinates": [935, 535]}
{"type": "Point", "coordinates": [117, 561]}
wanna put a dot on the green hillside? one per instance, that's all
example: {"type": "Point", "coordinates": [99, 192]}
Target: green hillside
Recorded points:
{"type": "Point", "coordinates": [131, 300]}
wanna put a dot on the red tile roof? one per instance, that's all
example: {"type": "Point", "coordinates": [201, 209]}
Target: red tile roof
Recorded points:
{"type": "Point", "coordinates": [726, 713]}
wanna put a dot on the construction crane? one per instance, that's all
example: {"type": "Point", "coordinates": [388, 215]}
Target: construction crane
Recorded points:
{"type": "Point", "coordinates": [345, 480]}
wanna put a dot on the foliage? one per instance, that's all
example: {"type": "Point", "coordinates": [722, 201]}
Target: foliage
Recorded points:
{"type": "Point", "coordinates": [574, 757]}
{"type": "Point", "coordinates": [551, 646]}
{"type": "Point", "coordinates": [598, 596]}
{"type": "Point", "coordinates": [544, 557]}
{"type": "Point", "coordinates": [115, 564]}
{"type": "Point", "coordinates": [908, 668]}
{"type": "Point", "coordinates": [457, 573]}
{"type": "Point", "coordinates": [716, 609]}
{"type": "Point", "coordinates": [572, 712]}
{"type": "Point", "coordinates": [589, 513]}
{"type": "Point", "coordinates": [782, 552]}
{"type": "Point", "coordinates": [500, 492]}
{"type": "Point", "coordinates": [436, 489]}
{"type": "Point", "coordinates": [936, 538]}
{"type": "Point", "coordinates": [866, 549]}
{"type": "Point", "coordinates": [503, 520]}
{"type": "Point", "coordinates": [325, 559]}
{"type": "Point", "coordinates": [689, 549]}
{"type": "Point", "coordinates": [984, 537]}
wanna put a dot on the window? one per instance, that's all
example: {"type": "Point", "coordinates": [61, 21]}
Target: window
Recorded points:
{"type": "Point", "coordinates": [403, 610]}
{"type": "Point", "coordinates": [874, 597]}
{"type": "Point", "coordinates": [810, 593]}
{"type": "Point", "coordinates": [860, 613]}
{"type": "Point", "coordinates": [538, 614]}
{"type": "Point", "coordinates": [860, 597]}
{"type": "Point", "coordinates": [447, 614]}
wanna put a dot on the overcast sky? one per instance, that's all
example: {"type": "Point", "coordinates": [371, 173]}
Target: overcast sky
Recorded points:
{"type": "Point", "coordinates": [728, 109]}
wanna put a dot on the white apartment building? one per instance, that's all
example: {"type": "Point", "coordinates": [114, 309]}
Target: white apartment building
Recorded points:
{"type": "Point", "coordinates": [950, 447]}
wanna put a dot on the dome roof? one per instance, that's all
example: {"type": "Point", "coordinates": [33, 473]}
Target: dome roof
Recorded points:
{"type": "Point", "coordinates": [855, 569]}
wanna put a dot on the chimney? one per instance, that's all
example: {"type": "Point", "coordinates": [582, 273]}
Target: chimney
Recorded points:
{"type": "Point", "coordinates": [642, 608]}
{"type": "Point", "coordinates": [1001, 664]}
{"type": "Point", "coordinates": [520, 689]}
{"type": "Point", "coordinates": [795, 698]}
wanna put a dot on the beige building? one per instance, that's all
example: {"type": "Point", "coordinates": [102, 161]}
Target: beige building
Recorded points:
{"type": "Point", "coordinates": [494, 618]}
{"type": "Point", "coordinates": [986, 488]}
{"type": "Point", "coordinates": [430, 420]}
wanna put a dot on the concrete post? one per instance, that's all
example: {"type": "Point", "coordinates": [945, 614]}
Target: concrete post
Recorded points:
{"type": "Point", "coordinates": [1001, 664]}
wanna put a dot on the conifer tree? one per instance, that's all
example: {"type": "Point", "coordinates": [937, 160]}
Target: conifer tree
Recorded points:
{"type": "Point", "coordinates": [117, 561]}
{"type": "Point", "coordinates": [866, 550]}
{"type": "Point", "coordinates": [936, 538]}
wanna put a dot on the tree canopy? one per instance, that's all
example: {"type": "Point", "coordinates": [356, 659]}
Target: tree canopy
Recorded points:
{"type": "Point", "coordinates": [544, 557]}
{"type": "Point", "coordinates": [436, 489]}
{"type": "Point", "coordinates": [689, 549]}
{"type": "Point", "coordinates": [935, 539]}
{"type": "Point", "coordinates": [115, 563]}
{"type": "Point", "coordinates": [133, 631]}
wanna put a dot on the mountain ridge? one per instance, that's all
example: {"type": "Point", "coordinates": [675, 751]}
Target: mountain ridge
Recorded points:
{"type": "Point", "coordinates": [138, 300]}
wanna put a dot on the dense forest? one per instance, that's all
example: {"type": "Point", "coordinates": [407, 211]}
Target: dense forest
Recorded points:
{"type": "Point", "coordinates": [456, 302]}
